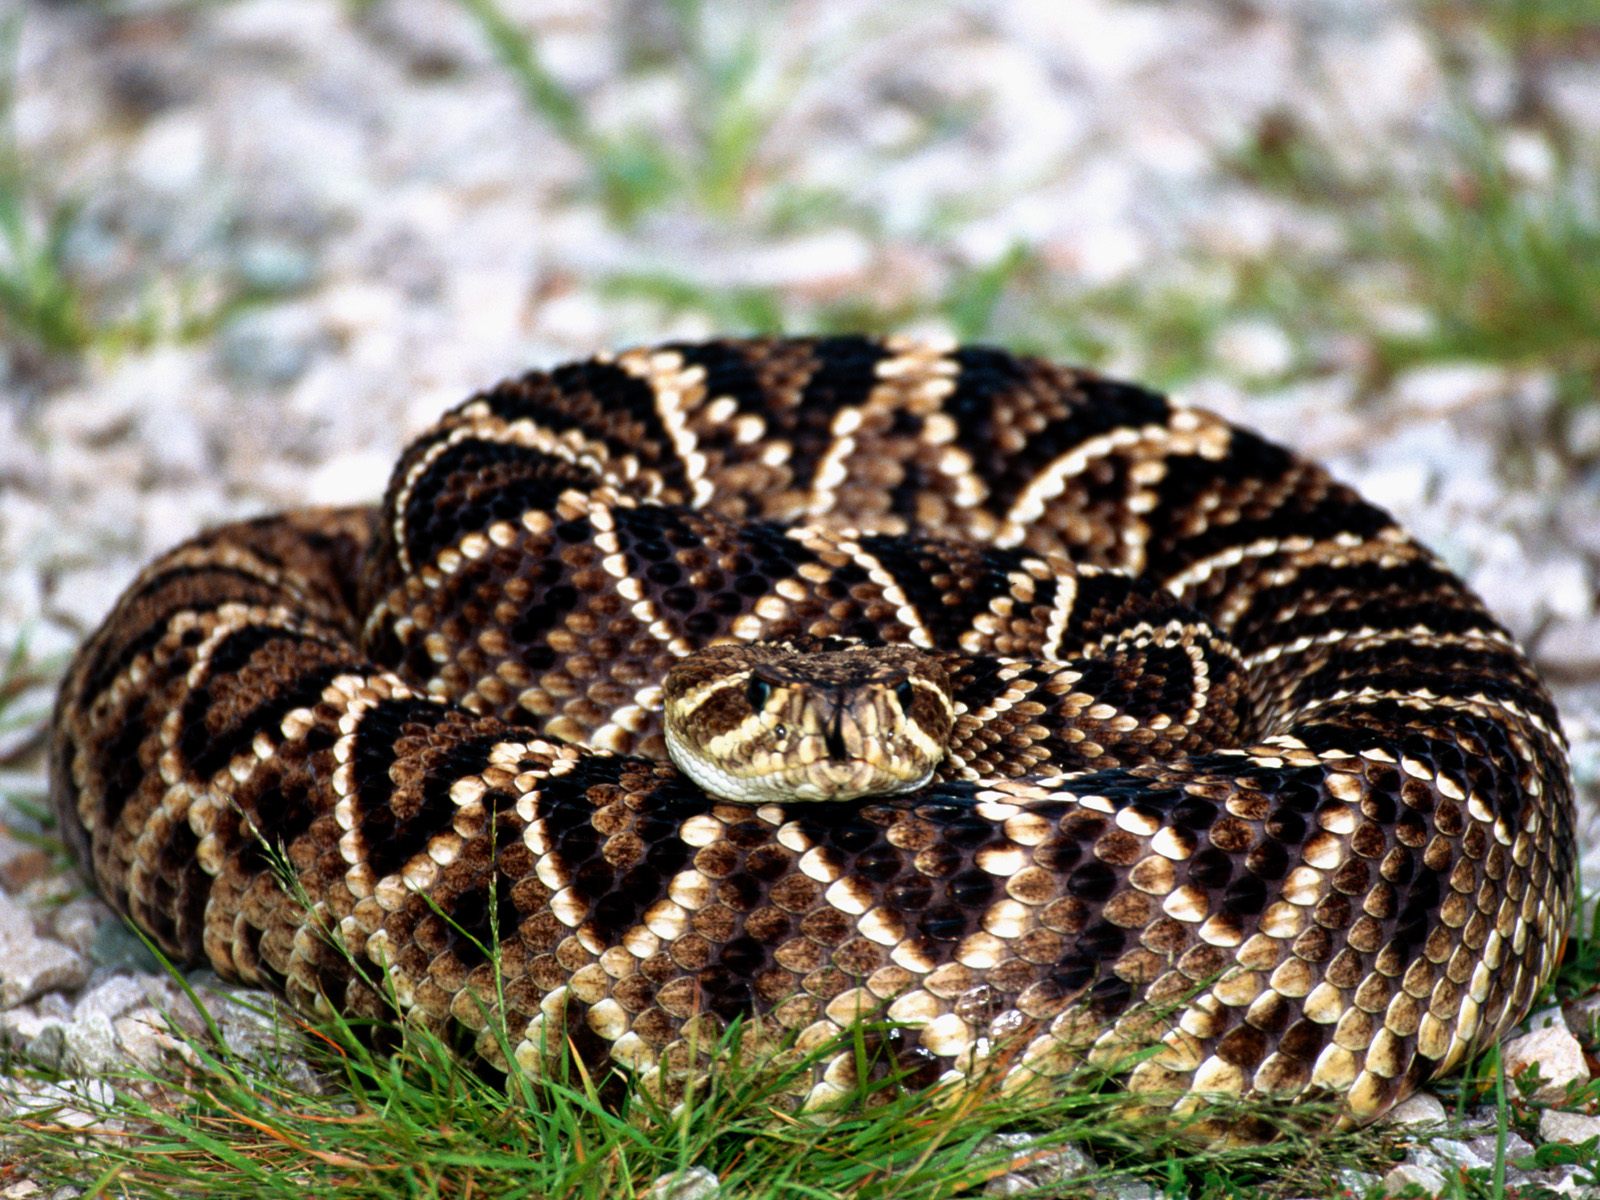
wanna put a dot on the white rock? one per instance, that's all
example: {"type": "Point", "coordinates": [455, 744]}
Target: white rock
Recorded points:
{"type": "Point", "coordinates": [1461, 1154]}
{"type": "Point", "coordinates": [1554, 1053]}
{"type": "Point", "coordinates": [1516, 1146]}
{"type": "Point", "coordinates": [110, 998]}
{"type": "Point", "coordinates": [1449, 387]}
{"type": "Point", "coordinates": [353, 478]}
{"type": "Point", "coordinates": [172, 155]}
{"type": "Point", "coordinates": [1255, 349]}
{"type": "Point", "coordinates": [1558, 1126]}
{"type": "Point", "coordinates": [694, 1183]}
{"type": "Point", "coordinates": [144, 1037]}
{"type": "Point", "coordinates": [1546, 1018]}
{"type": "Point", "coordinates": [1570, 648]}
{"type": "Point", "coordinates": [1046, 1169]}
{"type": "Point", "coordinates": [1583, 1018]}
{"type": "Point", "coordinates": [91, 1045]}
{"type": "Point", "coordinates": [1420, 1109]}
{"type": "Point", "coordinates": [76, 1102]}
{"type": "Point", "coordinates": [1407, 1174]}
{"type": "Point", "coordinates": [31, 965]}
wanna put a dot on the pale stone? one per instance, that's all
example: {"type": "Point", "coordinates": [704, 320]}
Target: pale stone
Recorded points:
{"type": "Point", "coordinates": [1406, 1174]}
{"type": "Point", "coordinates": [1555, 1054]}
{"type": "Point", "coordinates": [694, 1183]}
{"type": "Point", "coordinates": [1420, 1109]}
{"type": "Point", "coordinates": [1558, 1126]}
{"type": "Point", "coordinates": [31, 965]}
{"type": "Point", "coordinates": [1049, 1168]}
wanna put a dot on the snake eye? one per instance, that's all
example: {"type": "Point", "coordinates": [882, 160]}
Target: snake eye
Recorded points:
{"type": "Point", "coordinates": [904, 692]}
{"type": "Point", "coordinates": [758, 691]}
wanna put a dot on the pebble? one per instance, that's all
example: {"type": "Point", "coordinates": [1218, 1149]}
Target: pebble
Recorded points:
{"type": "Point", "coordinates": [1043, 1169]}
{"type": "Point", "coordinates": [1408, 1174]}
{"type": "Point", "coordinates": [1555, 1054]}
{"type": "Point", "coordinates": [1583, 1018]}
{"type": "Point", "coordinates": [410, 238]}
{"type": "Point", "coordinates": [1418, 1109]}
{"type": "Point", "coordinates": [693, 1183]}
{"type": "Point", "coordinates": [33, 965]}
{"type": "Point", "coordinates": [1558, 1126]}
{"type": "Point", "coordinates": [78, 1103]}
{"type": "Point", "coordinates": [1570, 647]}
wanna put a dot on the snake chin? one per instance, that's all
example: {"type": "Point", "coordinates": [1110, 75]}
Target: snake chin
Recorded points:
{"type": "Point", "coordinates": [777, 774]}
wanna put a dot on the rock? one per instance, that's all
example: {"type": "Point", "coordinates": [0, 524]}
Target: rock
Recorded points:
{"type": "Point", "coordinates": [1460, 1154]}
{"type": "Point", "coordinates": [1545, 1018]}
{"type": "Point", "coordinates": [1031, 1170]}
{"type": "Point", "coordinates": [144, 1038]}
{"type": "Point", "coordinates": [693, 1183]}
{"type": "Point", "coordinates": [1517, 1146]}
{"type": "Point", "coordinates": [109, 998]}
{"type": "Point", "coordinates": [1446, 387]}
{"type": "Point", "coordinates": [1408, 1174]}
{"type": "Point", "coordinates": [77, 922]}
{"type": "Point", "coordinates": [31, 965]}
{"type": "Point", "coordinates": [1558, 1126]}
{"type": "Point", "coordinates": [271, 347]}
{"type": "Point", "coordinates": [1127, 1189]}
{"type": "Point", "coordinates": [1570, 648]}
{"type": "Point", "coordinates": [1420, 1109]}
{"type": "Point", "coordinates": [1254, 349]}
{"type": "Point", "coordinates": [1357, 1183]}
{"type": "Point", "coordinates": [1583, 1018]}
{"type": "Point", "coordinates": [78, 1103]}
{"type": "Point", "coordinates": [91, 1045]}
{"type": "Point", "coordinates": [118, 947]}
{"type": "Point", "coordinates": [1555, 1054]}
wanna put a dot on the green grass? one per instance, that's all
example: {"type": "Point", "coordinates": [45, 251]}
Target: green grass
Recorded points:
{"type": "Point", "coordinates": [418, 1123]}
{"type": "Point", "coordinates": [47, 312]}
{"type": "Point", "coordinates": [1500, 269]}
{"type": "Point", "coordinates": [38, 301]}
{"type": "Point", "coordinates": [633, 171]}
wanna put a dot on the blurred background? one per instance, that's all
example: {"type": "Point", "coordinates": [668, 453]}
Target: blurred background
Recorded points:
{"type": "Point", "coordinates": [249, 247]}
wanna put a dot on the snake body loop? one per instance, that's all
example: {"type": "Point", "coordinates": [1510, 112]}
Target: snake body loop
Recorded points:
{"type": "Point", "coordinates": [1224, 744]}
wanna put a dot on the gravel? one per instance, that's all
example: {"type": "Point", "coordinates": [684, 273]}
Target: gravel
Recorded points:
{"type": "Point", "coordinates": [354, 209]}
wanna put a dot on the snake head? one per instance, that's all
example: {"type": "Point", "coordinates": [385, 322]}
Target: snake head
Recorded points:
{"type": "Point", "coordinates": [807, 719]}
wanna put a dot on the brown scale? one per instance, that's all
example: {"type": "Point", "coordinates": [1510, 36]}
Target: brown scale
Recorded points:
{"type": "Point", "coordinates": [1351, 870]}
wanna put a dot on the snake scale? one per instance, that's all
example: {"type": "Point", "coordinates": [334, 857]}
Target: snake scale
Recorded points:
{"type": "Point", "coordinates": [1235, 765]}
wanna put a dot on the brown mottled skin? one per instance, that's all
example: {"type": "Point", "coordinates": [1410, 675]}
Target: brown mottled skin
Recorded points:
{"type": "Point", "coordinates": [1236, 765]}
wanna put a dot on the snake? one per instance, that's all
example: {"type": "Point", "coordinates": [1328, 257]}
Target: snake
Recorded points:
{"type": "Point", "coordinates": [801, 683]}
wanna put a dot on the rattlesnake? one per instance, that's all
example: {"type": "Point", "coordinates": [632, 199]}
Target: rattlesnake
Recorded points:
{"type": "Point", "coordinates": [1227, 746]}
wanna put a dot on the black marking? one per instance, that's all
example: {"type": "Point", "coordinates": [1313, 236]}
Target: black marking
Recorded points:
{"type": "Point", "coordinates": [392, 838]}
{"type": "Point", "coordinates": [993, 384]}
{"type": "Point", "coordinates": [208, 752]}
{"type": "Point", "coordinates": [476, 482]}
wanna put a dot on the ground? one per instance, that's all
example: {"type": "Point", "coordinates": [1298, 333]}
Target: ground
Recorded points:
{"type": "Point", "coordinates": [248, 248]}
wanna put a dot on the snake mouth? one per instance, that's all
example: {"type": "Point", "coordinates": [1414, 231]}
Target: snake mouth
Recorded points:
{"type": "Point", "coordinates": [778, 778]}
{"type": "Point", "coordinates": [849, 779]}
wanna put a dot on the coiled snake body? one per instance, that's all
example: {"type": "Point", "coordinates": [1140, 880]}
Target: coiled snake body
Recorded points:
{"type": "Point", "coordinates": [1224, 744]}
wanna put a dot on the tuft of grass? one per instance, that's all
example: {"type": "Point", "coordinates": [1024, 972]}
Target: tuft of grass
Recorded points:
{"type": "Point", "coordinates": [1499, 269]}
{"type": "Point", "coordinates": [634, 172]}
{"type": "Point", "coordinates": [417, 1122]}
{"type": "Point", "coordinates": [38, 300]}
